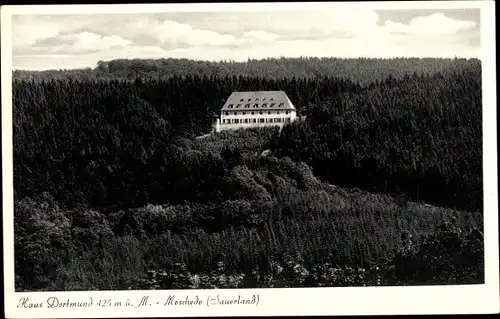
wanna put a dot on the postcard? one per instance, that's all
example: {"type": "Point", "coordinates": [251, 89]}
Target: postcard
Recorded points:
{"type": "Point", "coordinates": [249, 159]}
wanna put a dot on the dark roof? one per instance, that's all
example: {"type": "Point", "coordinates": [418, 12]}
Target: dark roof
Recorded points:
{"type": "Point", "coordinates": [258, 100]}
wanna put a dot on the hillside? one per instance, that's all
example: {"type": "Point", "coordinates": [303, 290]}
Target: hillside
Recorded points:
{"type": "Point", "coordinates": [275, 207]}
{"type": "Point", "coordinates": [381, 185]}
{"type": "Point", "coordinates": [420, 135]}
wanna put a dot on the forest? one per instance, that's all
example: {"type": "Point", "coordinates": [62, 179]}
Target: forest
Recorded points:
{"type": "Point", "coordinates": [380, 185]}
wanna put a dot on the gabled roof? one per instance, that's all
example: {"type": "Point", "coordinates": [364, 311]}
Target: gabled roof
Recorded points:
{"type": "Point", "coordinates": [258, 100]}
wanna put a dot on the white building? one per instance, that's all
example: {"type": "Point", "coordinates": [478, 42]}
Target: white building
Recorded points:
{"type": "Point", "coordinates": [256, 109]}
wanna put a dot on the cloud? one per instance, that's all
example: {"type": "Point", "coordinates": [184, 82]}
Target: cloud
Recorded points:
{"type": "Point", "coordinates": [434, 25]}
{"type": "Point", "coordinates": [170, 33]}
{"type": "Point", "coordinates": [79, 43]}
{"type": "Point", "coordinates": [83, 40]}
{"type": "Point", "coordinates": [285, 24]}
{"type": "Point", "coordinates": [260, 36]}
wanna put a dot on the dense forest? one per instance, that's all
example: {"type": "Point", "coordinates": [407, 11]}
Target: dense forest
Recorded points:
{"type": "Point", "coordinates": [111, 180]}
{"type": "Point", "coordinates": [362, 70]}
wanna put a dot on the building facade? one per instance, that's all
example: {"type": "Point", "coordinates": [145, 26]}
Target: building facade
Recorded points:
{"type": "Point", "coordinates": [256, 109]}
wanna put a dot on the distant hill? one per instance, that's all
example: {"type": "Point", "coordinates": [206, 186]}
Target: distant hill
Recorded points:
{"type": "Point", "coordinates": [362, 70]}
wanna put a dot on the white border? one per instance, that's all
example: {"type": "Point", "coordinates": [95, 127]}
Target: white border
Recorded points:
{"type": "Point", "coordinates": [306, 301]}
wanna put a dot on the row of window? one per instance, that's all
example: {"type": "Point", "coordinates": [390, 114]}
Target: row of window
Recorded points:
{"type": "Point", "coordinates": [253, 113]}
{"type": "Point", "coordinates": [248, 121]}
{"type": "Point", "coordinates": [271, 99]}
{"type": "Point", "coordinates": [256, 105]}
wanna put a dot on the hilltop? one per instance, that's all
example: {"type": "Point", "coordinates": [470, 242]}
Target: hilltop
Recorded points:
{"type": "Point", "coordinates": [361, 70]}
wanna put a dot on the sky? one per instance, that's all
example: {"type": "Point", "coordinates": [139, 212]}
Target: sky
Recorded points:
{"type": "Point", "coordinates": [77, 41]}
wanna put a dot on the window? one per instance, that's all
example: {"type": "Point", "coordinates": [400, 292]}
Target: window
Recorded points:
{"type": "Point", "coordinates": [260, 113]}
{"type": "Point", "coordinates": [282, 105]}
{"type": "Point", "coordinates": [255, 120]}
{"type": "Point", "coordinates": [230, 106]}
{"type": "Point", "coordinates": [273, 104]}
{"type": "Point", "coordinates": [246, 120]}
{"type": "Point", "coordinates": [264, 105]}
{"type": "Point", "coordinates": [263, 99]}
{"type": "Point", "coordinates": [247, 106]}
{"type": "Point", "coordinates": [249, 100]}
{"type": "Point", "coordinates": [256, 99]}
{"type": "Point", "coordinates": [241, 100]}
{"type": "Point", "coordinates": [256, 105]}
{"type": "Point", "coordinates": [238, 106]}
{"type": "Point", "coordinates": [277, 112]}
{"type": "Point", "coordinates": [253, 113]}
{"type": "Point", "coordinates": [286, 112]}
{"type": "Point", "coordinates": [227, 113]}
{"type": "Point", "coordinates": [272, 99]}
{"type": "Point", "coordinates": [244, 113]}
{"type": "Point", "coordinates": [237, 121]}
{"type": "Point", "coordinates": [261, 120]}
{"type": "Point", "coordinates": [269, 112]}
{"type": "Point", "coordinates": [235, 113]}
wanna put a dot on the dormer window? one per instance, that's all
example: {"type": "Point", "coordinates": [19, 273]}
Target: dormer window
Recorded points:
{"type": "Point", "coordinates": [238, 106]}
{"type": "Point", "coordinates": [241, 100]}
{"type": "Point", "coordinates": [230, 106]}
{"type": "Point", "coordinates": [256, 105]}
{"type": "Point", "coordinates": [273, 104]}
{"type": "Point", "coordinates": [249, 100]}
{"type": "Point", "coordinates": [256, 99]}
{"type": "Point", "coordinates": [263, 99]}
{"type": "Point", "coordinates": [282, 105]}
{"type": "Point", "coordinates": [247, 106]}
{"type": "Point", "coordinates": [264, 105]}
{"type": "Point", "coordinates": [272, 99]}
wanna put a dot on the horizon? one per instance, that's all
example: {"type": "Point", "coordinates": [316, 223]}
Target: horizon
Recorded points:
{"type": "Point", "coordinates": [78, 41]}
{"type": "Point", "coordinates": [249, 60]}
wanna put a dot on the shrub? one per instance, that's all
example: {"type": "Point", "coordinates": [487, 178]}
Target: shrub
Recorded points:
{"type": "Point", "coordinates": [450, 256]}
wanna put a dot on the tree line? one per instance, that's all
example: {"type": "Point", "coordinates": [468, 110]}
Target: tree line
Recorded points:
{"type": "Point", "coordinates": [361, 70]}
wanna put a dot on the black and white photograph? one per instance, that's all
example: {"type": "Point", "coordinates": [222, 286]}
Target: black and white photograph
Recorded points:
{"type": "Point", "coordinates": [246, 148]}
